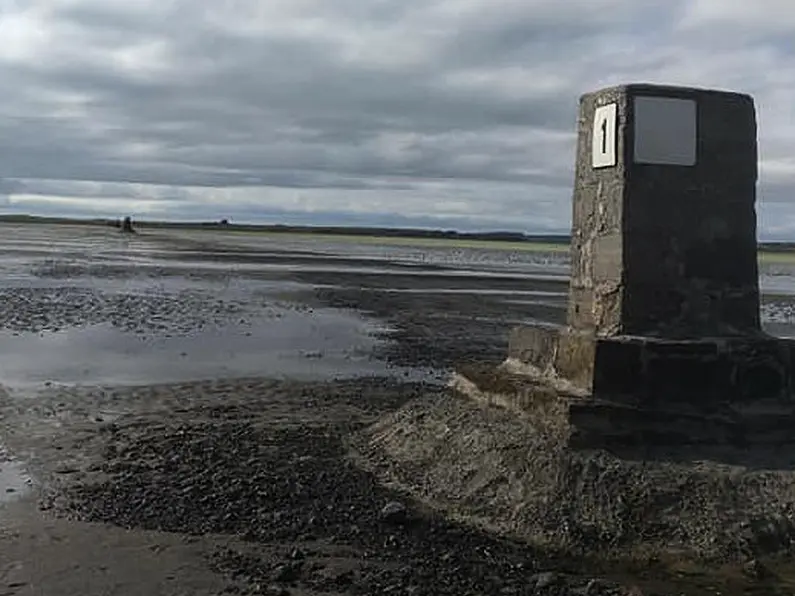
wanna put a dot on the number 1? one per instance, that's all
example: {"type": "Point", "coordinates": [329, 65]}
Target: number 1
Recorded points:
{"type": "Point", "coordinates": [603, 136]}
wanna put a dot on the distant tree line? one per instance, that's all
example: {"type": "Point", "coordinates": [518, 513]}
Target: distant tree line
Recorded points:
{"type": "Point", "coordinates": [339, 230]}
{"type": "Point", "coordinates": [366, 231]}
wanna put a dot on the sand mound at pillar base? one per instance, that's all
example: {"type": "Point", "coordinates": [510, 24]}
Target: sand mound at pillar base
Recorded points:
{"type": "Point", "coordinates": [516, 474]}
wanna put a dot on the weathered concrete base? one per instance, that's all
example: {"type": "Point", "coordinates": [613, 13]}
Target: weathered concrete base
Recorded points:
{"type": "Point", "coordinates": [702, 373]}
{"type": "Point", "coordinates": [647, 393]}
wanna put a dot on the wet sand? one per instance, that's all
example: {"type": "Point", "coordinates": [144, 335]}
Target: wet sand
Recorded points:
{"type": "Point", "coordinates": [177, 415]}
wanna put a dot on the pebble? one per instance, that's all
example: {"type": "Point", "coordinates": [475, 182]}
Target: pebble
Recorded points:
{"type": "Point", "coordinates": [288, 572]}
{"type": "Point", "coordinates": [755, 569]}
{"type": "Point", "coordinates": [594, 587]}
{"type": "Point", "coordinates": [545, 580]}
{"type": "Point", "coordinates": [394, 512]}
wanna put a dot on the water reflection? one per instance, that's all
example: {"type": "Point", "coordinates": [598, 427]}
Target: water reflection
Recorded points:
{"type": "Point", "coordinates": [317, 345]}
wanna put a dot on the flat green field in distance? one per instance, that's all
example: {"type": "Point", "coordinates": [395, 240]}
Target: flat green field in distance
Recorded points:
{"type": "Point", "coordinates": [777, 256]}
{"type": "Point", "coordinates": [430, 242]}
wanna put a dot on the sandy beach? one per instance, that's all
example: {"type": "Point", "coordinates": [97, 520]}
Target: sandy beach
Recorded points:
{"type": "Point", "coordinates": [194, 413]}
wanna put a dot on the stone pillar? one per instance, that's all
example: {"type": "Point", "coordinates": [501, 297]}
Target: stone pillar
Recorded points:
{"type": "Point", "coordinates": [664, 294]}
{"type": "Point", "coordinates": [664, 227]}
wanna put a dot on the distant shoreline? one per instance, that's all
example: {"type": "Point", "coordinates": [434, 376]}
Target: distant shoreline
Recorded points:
{"type": "Point", "coordinates": [381, 232]}
{"type": "Point", "coordinates": [560, 240]}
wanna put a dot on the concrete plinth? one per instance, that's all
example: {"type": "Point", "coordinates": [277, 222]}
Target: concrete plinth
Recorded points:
{"type": "Point", "coordinates": [649, 370]}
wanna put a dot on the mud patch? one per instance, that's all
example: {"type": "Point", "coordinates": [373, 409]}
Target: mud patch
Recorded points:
{"type": "Point", "coordinates": [310, 518]}
{"type": "Point", "coordinates": [442, 330]}
{"type": "Point", "coordinates": [514, 474]}
{"type": "Point", "coordinates": [42, 555]}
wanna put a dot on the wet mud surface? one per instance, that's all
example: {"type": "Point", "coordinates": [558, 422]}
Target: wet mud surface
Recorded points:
{"type": "Point", "coordinates": [261, 472]}
{"type": "Point", "coordinates": [181, 414]}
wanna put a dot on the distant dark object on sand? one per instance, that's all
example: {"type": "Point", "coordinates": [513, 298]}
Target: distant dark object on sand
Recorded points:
{"type": "Point", "coordinates": [126, 226]}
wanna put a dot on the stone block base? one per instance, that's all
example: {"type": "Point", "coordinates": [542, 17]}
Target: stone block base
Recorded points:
{"type": "Point", "coordinates": [610, 425]}
{"type": "Point", "coordinates": [642, 391]}
{"type": "Point", "coordinates": [596, 423]}
{"type": "Point", "coordinates": [701, 373]}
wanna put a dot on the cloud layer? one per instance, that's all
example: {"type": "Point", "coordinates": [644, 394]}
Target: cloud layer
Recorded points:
{"type": "Point", "coordinates": [438, 112]}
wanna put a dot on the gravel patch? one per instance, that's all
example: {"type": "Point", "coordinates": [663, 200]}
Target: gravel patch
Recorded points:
{"type": "Point", "coordinates": [444, 332]}
{"type": "Point", "coordinates": [256, 466]}
{"type": "Point", "coordinates": [26, 310]}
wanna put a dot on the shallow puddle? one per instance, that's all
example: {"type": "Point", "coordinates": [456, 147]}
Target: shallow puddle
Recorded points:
{"type": "Point", "coordinates": [14, 482]}
{"type": "Point", "coordinates": [303, 345]}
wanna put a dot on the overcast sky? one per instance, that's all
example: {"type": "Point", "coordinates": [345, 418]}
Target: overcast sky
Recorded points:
{"type": "Point", "coordinates": [450, 113]}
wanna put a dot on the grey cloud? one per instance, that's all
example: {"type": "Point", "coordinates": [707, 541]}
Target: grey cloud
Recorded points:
{"type": "Point", "coordinates": [234, 107]}
{"type": "Point", "coordinates": [382, 97]}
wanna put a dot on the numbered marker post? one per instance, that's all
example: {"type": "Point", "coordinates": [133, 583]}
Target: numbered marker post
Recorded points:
{"type": "Point", "coordinates": [664, 229]}
{"type": "Point", "coordinates": [664, 293]}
